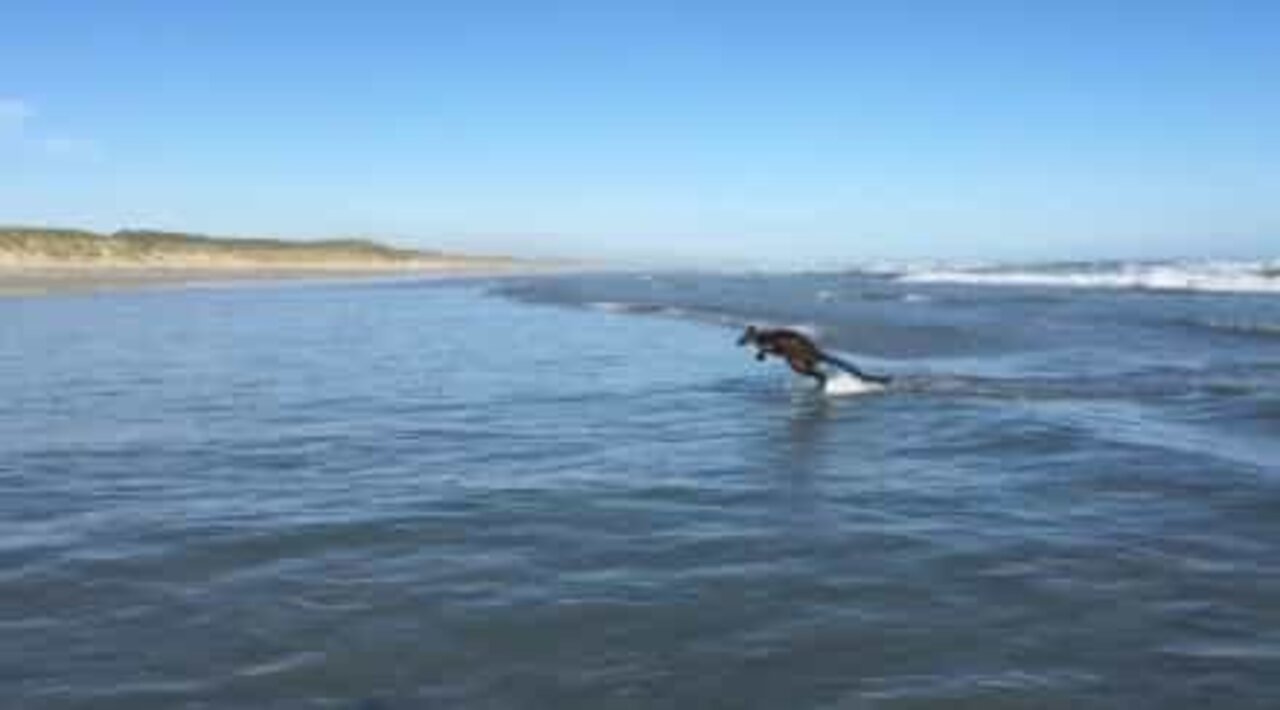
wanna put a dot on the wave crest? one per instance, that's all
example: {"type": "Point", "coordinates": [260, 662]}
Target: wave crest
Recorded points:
{"type": "Point", "coordinates": [1241, 277]}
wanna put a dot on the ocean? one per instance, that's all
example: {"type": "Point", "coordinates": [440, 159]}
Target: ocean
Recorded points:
{"type": "Point", "coordinates": [574, 491]}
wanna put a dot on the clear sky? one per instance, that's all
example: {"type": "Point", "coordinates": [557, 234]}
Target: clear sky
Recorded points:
{"type": "Point", "coordinates": [772, 133]}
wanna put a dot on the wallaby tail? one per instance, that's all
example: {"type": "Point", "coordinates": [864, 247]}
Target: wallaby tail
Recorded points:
{"type": "Point", "coordinates": [854, 370]}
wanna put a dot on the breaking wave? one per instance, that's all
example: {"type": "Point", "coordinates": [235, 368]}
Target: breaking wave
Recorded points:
{"type": "Point", "coordinates": [1237, 276]}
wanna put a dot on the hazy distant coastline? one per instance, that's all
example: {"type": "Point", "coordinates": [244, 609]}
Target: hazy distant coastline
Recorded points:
{"type": "Point", "coordinates": [40, 260]}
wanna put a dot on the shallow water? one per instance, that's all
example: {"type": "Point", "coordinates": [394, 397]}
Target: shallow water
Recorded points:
{"type": "Point", "coordinates": [576, 493]}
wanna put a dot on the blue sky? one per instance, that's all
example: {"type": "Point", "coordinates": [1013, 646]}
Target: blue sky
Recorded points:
{"type": "Point", "coordinates": [798, 133]}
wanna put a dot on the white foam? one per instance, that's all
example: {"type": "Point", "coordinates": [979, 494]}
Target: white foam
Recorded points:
{"type": "Point", "coordinates": [844, 384]}
{"type": "Point", "coordinates": [1241, 277]}
{"type": "Point", "coordinates": [641, 308]}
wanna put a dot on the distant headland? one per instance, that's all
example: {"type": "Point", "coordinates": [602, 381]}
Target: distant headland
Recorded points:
{"type": "Point", "coordinates": [41, 259]}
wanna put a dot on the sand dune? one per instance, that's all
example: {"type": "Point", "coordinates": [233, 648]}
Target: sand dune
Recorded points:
{"type": "Point", "coordinates": [47, 260]}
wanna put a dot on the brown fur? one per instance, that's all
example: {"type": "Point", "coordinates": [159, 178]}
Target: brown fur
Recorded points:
{"type": "Point", "coordinates": [801, 354]}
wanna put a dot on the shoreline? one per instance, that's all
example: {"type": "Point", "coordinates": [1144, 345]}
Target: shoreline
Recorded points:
{"type": "Point", "coordinates": [49, 279]}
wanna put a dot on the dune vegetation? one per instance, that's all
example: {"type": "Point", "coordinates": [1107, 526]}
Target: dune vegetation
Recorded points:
{"type": "Point", "coordinates": [21, 246]}
{"type": "Point", "coordinates": [38, 260]}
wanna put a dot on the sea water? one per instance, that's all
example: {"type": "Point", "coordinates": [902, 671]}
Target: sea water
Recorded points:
{"type": "Point", "coordinates": [576, 492]}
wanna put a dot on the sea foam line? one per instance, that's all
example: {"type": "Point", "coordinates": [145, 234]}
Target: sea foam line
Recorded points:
{"type": "Point", "coordinates": [1241, 277]}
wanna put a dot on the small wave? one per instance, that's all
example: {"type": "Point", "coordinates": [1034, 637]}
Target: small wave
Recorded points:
{"type": "Point", "coordinates": [639, 309]}
{"type": "Point", "coordinates": [1238, 277]}
{"type": "Point", "coordinates": [1234, 327]}
{"type": "Point", "coordinates": [618, 307]}
{"type": "Point", "coordinates": [829, 296]}
{"type": "Point", "coordinates": [707, 316]}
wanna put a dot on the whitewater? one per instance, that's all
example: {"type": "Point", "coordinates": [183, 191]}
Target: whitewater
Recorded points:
{"type": "Point", "coordinates": [1210, 276]}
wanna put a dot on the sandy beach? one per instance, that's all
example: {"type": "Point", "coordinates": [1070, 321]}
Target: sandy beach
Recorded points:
{"type": "Point", "coordinates": [43, 279]}
{"type": "Point", "coordinates": [37, 261]}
